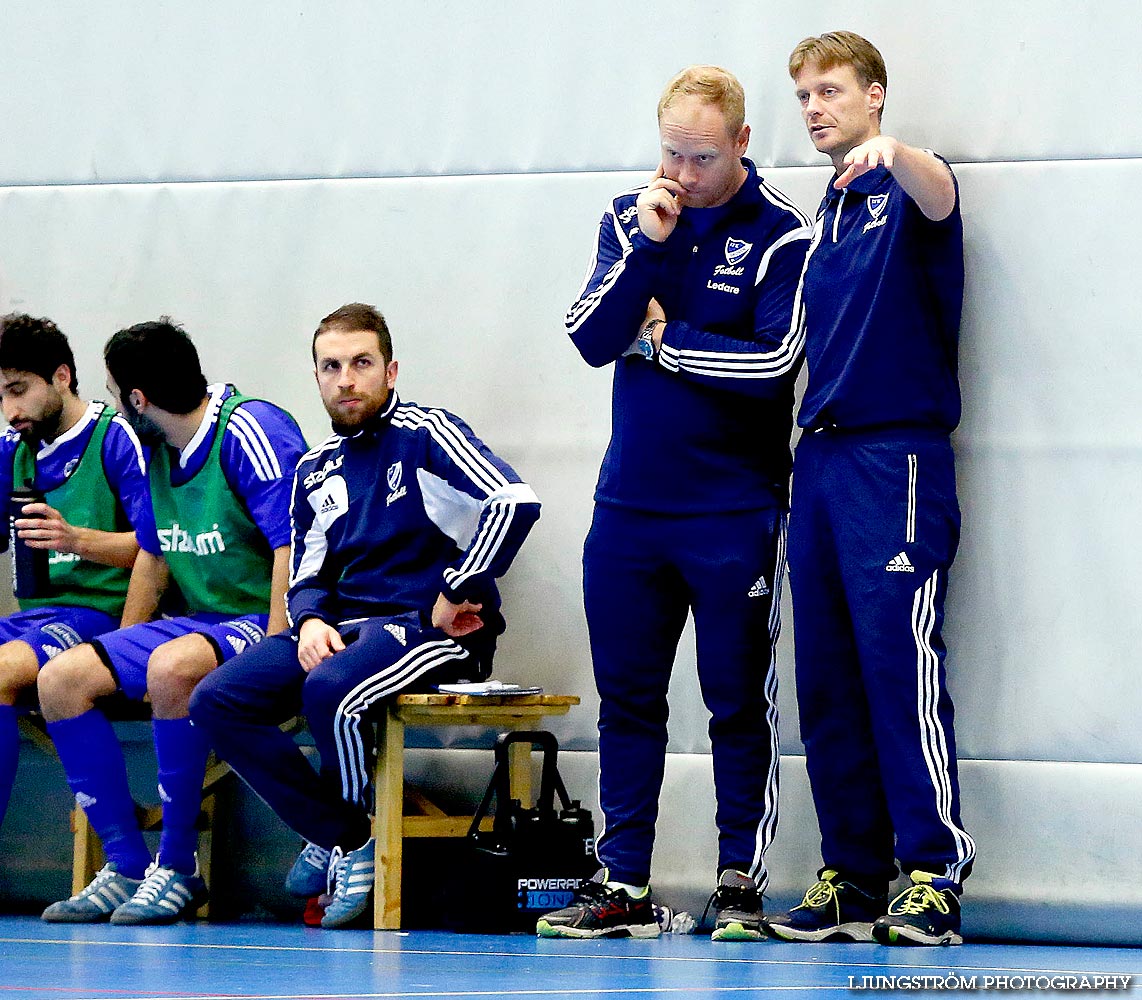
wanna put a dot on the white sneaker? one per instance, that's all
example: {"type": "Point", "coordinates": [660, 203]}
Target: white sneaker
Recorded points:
{"type": "Point", "coordinates": [96, 902]}
{"type": "Point", "coordinates": [163, 897]}
{"type": "Point", "coordinates": [352, 878]}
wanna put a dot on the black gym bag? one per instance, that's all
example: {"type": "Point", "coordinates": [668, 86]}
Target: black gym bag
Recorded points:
{"type": "Point", "coordinates": [532, 860]}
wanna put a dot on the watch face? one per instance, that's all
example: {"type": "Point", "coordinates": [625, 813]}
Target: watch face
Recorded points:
{"type": "Point", "coordinates": [646, 346]}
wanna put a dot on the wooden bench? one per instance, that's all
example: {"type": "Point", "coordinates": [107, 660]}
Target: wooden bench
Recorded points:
{"type": "Point", "coordinates": [392, 822]}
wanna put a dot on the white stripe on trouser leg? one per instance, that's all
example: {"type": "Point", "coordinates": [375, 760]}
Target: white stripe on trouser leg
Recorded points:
{"type": "Point", "coordinates": [399, 675]}
{"type": "Point", "coordinates": [767, 828]}
{"type": "Point", "coordinates": [933, 740]}
{"type": "Point", "coordinates": [395, 677]}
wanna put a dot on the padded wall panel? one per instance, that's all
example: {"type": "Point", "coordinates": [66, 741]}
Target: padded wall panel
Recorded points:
{"type": "Point", "coordinates": [139, 91]}
{"type": "Point", "coordinates": [1042, 626]}
{"type": "Point", "coordinates": [475, 274]}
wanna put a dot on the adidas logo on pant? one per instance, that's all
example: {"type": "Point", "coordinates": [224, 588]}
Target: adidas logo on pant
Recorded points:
{"type": "Point", "coordinates": [759, 589]}
{"type": "Point", "coordinates": [900, 564]}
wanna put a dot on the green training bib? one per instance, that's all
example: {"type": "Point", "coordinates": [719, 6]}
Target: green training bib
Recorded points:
{"type": "Point", "coordinates": [217, 555]}
{"type": "Point", "coordinates": [86, 499]}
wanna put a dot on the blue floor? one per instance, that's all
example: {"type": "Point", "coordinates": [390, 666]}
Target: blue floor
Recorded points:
{"type": "Point", "coordinates": [278, 961]}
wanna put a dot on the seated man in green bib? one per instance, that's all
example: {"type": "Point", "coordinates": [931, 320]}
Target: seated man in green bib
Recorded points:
{"type": "Point", "coordinates": [88, 467]}
{"type": "Point", "coordinates": [220, 477]}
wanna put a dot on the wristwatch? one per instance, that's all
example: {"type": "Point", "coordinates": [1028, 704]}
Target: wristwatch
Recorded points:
{"type": "Point", "coordinates": [646, 338]}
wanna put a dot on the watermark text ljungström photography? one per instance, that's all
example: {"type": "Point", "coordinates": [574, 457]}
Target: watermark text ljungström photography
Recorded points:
{"type": "Point", "coordinates": [979, 983]}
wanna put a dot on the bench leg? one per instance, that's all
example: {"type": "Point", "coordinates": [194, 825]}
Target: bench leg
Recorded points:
{"type": "Point", "coordinates": [86, 852]}
{"type": "Point", "coordinates": [205, 848]}
{"type": "Point", "coordinates": [388, 790]}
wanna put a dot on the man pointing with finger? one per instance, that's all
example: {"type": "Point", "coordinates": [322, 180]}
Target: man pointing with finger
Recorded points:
{"type": "Point", "coordinates": [875, 522]}
{"type": "Point", "coordinates": [693, 295]}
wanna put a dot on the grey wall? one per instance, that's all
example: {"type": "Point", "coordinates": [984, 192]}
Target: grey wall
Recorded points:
{"type": "Point", "coordinates": [247, 168]}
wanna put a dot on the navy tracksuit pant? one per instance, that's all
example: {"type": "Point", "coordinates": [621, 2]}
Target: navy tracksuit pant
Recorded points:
{"type": "Point", "coordinates": [642, 574]}
{"type": "Point", "coordinates": [873, 529]}
{"type": "Point", "coordinates": [240, 705]}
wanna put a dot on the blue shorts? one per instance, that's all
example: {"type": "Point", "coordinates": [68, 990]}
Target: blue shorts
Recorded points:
{"type": "Point", "coordinates": [49, 631]}
{"type": "Point", "coordinates": [127, 650]}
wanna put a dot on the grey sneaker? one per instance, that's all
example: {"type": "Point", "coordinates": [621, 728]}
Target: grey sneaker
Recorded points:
{"type": "Point", "coordinates": [308, 876]}
{"type": "Point", "coordinates": [737, 908]}
{"type": "Point", "coordinates": [97, 901]}
{"type": "Point", "coordinates": [352, 881]}
{"type": "Point", "coordinates": [599, 910]}
{"type": "Point", "coordinates": [163, 897]}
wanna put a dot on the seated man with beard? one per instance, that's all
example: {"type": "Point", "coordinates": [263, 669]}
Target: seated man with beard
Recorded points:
{"type": "Point", "coordinates": [402, 521]}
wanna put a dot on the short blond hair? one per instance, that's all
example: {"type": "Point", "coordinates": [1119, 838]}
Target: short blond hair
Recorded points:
{"type": "Point", "coordinates": [842, 48]}
{"type": "Point", "coordinates": [714, 85]}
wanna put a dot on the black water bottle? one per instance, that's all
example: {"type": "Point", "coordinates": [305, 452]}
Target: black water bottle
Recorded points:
{"type": "Point", "coordinates": [29, 566]}
{"type": "Point", "coordinates": [578, 827]}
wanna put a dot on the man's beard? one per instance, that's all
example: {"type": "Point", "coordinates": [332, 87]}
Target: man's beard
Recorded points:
{"type": "Point", "coordinates": [146, 430]}
{"type": "Point", "coordinates": [347, 428]}
{"type": "Point", "coordinates": [351, 428]}
{"type": "Point", "coordinates": [47, 428]}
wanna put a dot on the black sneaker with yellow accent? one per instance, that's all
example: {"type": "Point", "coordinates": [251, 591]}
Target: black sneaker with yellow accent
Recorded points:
{"type": "Point", "coordinates": [832, 910]}
{"type": "Point", "coordinates": [737, 908]}
{"type": "Point", "coordinates": [927, 912]}
{"type": "Point", "coordinates": [600, 910]}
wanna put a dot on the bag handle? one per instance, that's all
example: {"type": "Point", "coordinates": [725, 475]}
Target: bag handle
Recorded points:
{"type": "Point", "coordinates": [499, 788]}
{"type": "Point", "coordinates": [549, 782]}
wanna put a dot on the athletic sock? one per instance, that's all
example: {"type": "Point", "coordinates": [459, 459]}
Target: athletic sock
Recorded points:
{"type": "Point", "coordinates": [181, 751]}
{"type": "Point", "coordinates": [634, 891]}
{"type": "Point", "coordinates": [9, 755]}
{"type": "Point", "coordinates": [93, 761]}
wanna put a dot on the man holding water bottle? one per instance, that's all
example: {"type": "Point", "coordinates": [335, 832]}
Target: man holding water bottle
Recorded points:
{"type": "Point", "coordinates": [73, 476]}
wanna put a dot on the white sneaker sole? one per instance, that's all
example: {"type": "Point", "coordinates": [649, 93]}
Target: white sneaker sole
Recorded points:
{"type": "Point", "coordinates": [906, 935]}
{"type": "Point", "coordinates": [545, 930]}
{"type": "Point", "coordinates": [854, 931]}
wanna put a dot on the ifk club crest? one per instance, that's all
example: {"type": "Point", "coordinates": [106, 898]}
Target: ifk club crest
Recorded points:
{"type": "Point", "coordinates": [393, 477]}
{"type": "Point", "coordinates": [876, 204]}
{"type": "Point", "coordinates": [736, 251]}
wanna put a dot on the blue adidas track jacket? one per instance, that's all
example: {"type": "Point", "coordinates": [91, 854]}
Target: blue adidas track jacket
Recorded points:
{"type": "Point", "coordinates": [411, 506]}
{"type": "Point", "coordinates": [705, 427]}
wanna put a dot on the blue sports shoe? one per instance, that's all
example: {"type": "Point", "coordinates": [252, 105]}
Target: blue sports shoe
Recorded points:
{"type": "Point", "coordinates": [309, 875]}
{"type": "Point", "coordinates": [163, 897]}
{"type": "Point", "coordinates": [927, 912]}
{"type": "Point", "coordinates": [96, 902]}
{"type": "Point", "coordinates": [833, 909]}
{"type": "Point", "coordinates": [352, 880]}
